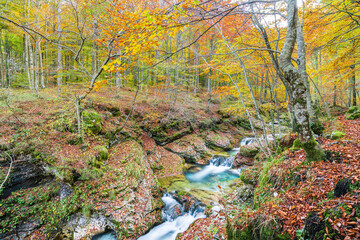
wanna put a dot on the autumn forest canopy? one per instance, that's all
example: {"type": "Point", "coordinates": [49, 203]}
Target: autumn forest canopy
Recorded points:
{"type": "Point", "coordinates": [109, 108]}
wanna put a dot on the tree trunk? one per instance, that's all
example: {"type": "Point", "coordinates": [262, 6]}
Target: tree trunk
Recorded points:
{"type": "Point", "coordinates": [353, 85]}
{"type": "Point", "coordinates": [297, 80]}
{"type": "Point", "coordinates": [59, 50]}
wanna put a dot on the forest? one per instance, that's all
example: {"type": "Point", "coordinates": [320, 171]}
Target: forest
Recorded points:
{"type": "Point", "coordinates": [179, 119]}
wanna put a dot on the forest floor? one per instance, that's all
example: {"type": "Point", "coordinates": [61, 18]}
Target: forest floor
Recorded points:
{"type": "Point", "coordinates": [320, 200]}
{"type": "Point", "coordinates": [113, 170]}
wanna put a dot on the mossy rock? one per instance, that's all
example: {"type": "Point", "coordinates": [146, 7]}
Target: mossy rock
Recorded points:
{"type": "Point", "coordinates": [296, 145]}
{"type": "Point", "coordinates": [115, 111]}
{"type": "Point", "coordinates": [75, 140]}
{"type": "Point", "coordinates": [353, 116]}
{"type": "Point", "coordinates": [242, 122]}
{"type": "Point", "coordinates": [250, 175]}
{"type": "Point", "coordinates": [207, 124]}
{"type": "Point", "coordinates": [317, 128]}
{"type": "Point", "coordinates": [287, 141]}
{"type": "Point", "coordinates": [65, 123]}
{"type": "Point", "coordinates": [353, 109]}
{"type": "Point", "coordinates": [92, 122]}
{"type": "Point", "coordinates": [249, 151]}
{"type": "Point", "coordinates": [158, 132]}
{"type": "Point", "coordinates": [102, 153]}
{"type": "Point", "coordinates": [313, 151]}
{"type": "Point", "coordinates": [337, 135]}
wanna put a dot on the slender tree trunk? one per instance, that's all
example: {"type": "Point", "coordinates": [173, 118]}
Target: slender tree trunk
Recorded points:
{"type": "Point", "coordinates": [59, 50]}
{"type": "Point", "coordinates": [94, 48]}
{"type": "Point", "coordinates": [31, 66]}
{"type": "Point", "coordinates": [210, 75]}
{"type": "Point", "coordinates": [353, 85]}
{"type": "Point", "coordinates": [3, 69]}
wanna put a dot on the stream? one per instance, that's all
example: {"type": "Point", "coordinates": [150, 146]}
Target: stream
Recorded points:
{"type": "Point", "coordinates": [206, 183]}
{"type": "Point", "coordinates": [203, 183]}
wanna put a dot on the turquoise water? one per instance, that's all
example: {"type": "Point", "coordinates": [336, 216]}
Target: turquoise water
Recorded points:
{"type": "Point", "coordinates": [109, 235]}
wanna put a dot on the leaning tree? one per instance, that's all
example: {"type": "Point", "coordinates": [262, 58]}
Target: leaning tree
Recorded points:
{"type": "Point", "coordinates": [294, 78]}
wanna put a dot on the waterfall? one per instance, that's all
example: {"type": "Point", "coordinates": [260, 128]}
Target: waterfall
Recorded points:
{"type": "Point", "coordinates": [220, 161]}
{"type": "Point", "coordinates": [247, 141]}
{"type": "Point", "coordinates": [177, 219]}
{"type": "Point", "coordinates": [217, 165]}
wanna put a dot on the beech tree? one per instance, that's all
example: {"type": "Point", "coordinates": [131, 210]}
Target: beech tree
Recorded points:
{"type": "Point", "coordinates": [297, 78]}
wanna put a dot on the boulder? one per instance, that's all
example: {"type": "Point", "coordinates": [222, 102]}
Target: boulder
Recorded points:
{"type": "Point", "coordinates": [24, 174]}
{"type": "Point", "coordinates": [241, 161]}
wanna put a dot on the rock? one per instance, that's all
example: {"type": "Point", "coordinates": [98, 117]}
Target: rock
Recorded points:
{"type": "Point", "coordinates": [25, 229]}
{"type": "Point", "coordinates": [342, 187]}
{"type": "Point", "coordinates": [65, 190]}
{"type": "Point", "coordinates": [24, 174]}
{"type": "Point", "coordinates": [241, 161]}
{"type": "Point", "coordinates": [353, 116]}
{"type": "Point", "coordinates": [245, 193]}
{"type": "Point", "coordinates": [218, 141]}
{"type": "Point", "coordinates": [173, 212]}
{"type": "Point", "coordinates": [92, 122]}
{"type": "Point", "coordinates": [249, 151]}
{"type": "Point", "coordinates": [191, 148]}
{"type": "Point", "coordinates": [337, 135]}
{"type": "Point", "coordinates": [288, 140]}
{"type": "Point", "coordinates": [216, 209]}
{"type": "Point", "coordinates": [353, 109]}
{"type": "Point", "coordinates": [102, 153]}
{"type": "Point", "coordinates": [81, 227]}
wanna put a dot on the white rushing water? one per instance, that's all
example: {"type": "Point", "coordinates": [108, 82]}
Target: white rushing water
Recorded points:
{"type": "Point", "coordinates": [172, 226]}
{"type": "Point", "coordinates": [216, 166]}
{"type": "Point", "coordinates": [247, 141]}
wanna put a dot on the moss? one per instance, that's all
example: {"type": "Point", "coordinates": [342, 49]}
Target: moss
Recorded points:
{"type": "Point", "coordinates": [353, 116]}
{"type": "Point", "coordinates": [330, 195]}
{"type": "Point", "coordinates": [127, 111]}
{"type": "Point", "coordinates": [317, 128]}
{"type": "Point", "coordinates": [241, 122]}
{"type": "Point", "coordinates": [250, 175]}
{"type": "Point", "coordinates": [102, 153]}
{"type": "Point", "coordinates": [157, 167]}
{"type": "Point", "coordinates": [207, 124]}
{"type": "Point", "coordinates": [158, 132]}
{"type": "Point", "coordinates": [115, 111]}
{"type": "Point", "coordinates": [75, 140]}
{"type": "Point", "coordinates": [353, 109]}
{"type": "Point", "coordinates": [296, 145]}
{"type": "Point", "coordinates": [37, 203]}
{"type": "Point", "coordinates": [92, 122]}
{"type": "Point", "coordinates": [256, 229]}
{"type": "Point", "coordinates": [337, 135]}
{"type": "Point", "coordinates": [65, 123]}
{"type": "Point", "coordinates": [313, 151]}
{"type": "Point", "coordinates": [86, 210]}
{"type": "Point", "coordinates": [249, 151]}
